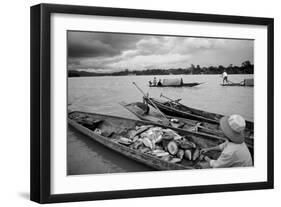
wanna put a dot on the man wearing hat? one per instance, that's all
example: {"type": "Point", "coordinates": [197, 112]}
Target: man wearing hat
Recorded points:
{"type": "Point", "coordinates": [235, 152]}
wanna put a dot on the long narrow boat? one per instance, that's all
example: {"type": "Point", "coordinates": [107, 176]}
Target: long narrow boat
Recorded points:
{"type": "Point", "coordinates": [191, 84]}
{"type": "Point", "coordinates": [174, 82]}
{"type": "Point", "coordinates": [246, 82]}
{"type": "Point", "coordinates": [174, 108]}
{"type": "Point", "coordinates": [231, 84]}
{"type": "Point", "coordinates": [116, 134]}
{"type": "Point", "coordinates": [235, 84]}
{"type": "Point", "coordinates": [144, 112]}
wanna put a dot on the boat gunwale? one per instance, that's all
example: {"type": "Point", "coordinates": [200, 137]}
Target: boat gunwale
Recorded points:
{"type": "Point", "coordinates": [249, 123]}
{"type": "Point", "coordinates": [131, 153]}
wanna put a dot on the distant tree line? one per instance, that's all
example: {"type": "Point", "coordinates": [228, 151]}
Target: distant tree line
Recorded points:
{"type": "Point", "coordinates": [246, 68]}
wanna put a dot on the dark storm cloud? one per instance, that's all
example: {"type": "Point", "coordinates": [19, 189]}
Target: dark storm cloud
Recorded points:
{"type": "Point", "coordinates": [113, 51]}
{"type": "Point", "coordinates": [89, 44]}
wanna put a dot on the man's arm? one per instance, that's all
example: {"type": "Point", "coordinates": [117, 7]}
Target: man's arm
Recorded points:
{"type": "Point", "coordinates": [210, 149]}
{"type": "Point", "coordinates": [218, 148]}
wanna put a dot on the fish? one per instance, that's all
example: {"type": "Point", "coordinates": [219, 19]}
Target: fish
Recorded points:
{"type": "Point", "coordinates": [187, 154]}
{"type": "Point", "coordinates": [124, 140]}
{"type": "Point", "coordinates": [148, 143]}
{"type": "Point", "coordinates": [158, 139]}
{"type": "Point", "coordinates": [135, 138]}
{"type": "Point", "coordinates": [161, 154]}
{"type": "Point", "coordinates": [180, 154]}
{"type": "Point", "coordinates": [170, 134]}
{"type": "Point", "coordinates": [166, 158]}
{"type": "Point", "coordinates": [142, 129]}
{"type": "Point", "coordinates": [185, 144]}
{"type": "Point", "coordinates": [167, 137]}
{"type": "Point", "coordinates": [137, 144]}
{"type": "Point", "coordinates": [196, 154]}
{"type": "Point", "coordinates": [144, 149]}
{"type": "Point", "coordinates": [175, 160]}
{"type": "Point", "coordinates": [132, 133]}
{"type": "Point", "coordinates": [157, 151]}
{"type": "Point", "coordinates": [172, 148]}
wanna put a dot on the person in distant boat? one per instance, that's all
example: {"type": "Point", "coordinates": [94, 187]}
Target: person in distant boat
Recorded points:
{"type": "Point", "coordinates": [154, 81]}
{"type": "Point", "coordinates": [150, 83]}
{"type": "Point", "coordinates": [159, 82]}
{"type": "Point", "coordinates": [235, 152]}
{"type": "Point", "coordinates": [224, 77]}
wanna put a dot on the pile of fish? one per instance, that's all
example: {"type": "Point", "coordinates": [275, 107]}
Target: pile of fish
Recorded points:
{"type": "Point", "coordinates": [163, 143]}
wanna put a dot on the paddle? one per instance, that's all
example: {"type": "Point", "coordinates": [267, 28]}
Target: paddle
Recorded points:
{"type": "Point", "coordinates": [166, 120]}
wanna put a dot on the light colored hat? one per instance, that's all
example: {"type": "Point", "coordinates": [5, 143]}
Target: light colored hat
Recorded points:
{"type": "Point", "coordinates": [233, 127]}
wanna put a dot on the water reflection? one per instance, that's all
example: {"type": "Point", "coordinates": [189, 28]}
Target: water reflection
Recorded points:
{"type": "Point", "coordinates": [85, 156]}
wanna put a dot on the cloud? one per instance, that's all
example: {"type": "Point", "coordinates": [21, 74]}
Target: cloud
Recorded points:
{"type": "Point", "coordinates": [89, 44]}
{"type": "Point", "coordinates": [114, 51]}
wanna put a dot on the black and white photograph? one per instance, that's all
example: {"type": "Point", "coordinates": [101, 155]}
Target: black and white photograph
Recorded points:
{"type": "Point", "coordinates": [134, 103]}
{"type": "Point", "coordinates": [146, 102]}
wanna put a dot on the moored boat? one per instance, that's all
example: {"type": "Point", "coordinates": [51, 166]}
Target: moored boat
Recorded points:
{"type": "Point", "coordinates": [176, 82]}
{"type": "Point", "coordinates": [174, 108]}
{"type": "Point", "coordinates": [231, 84]}
{"type": "Point", "coordinates": [144, 112]}
{"type": "Point", "coordinates": [246, 82]}
{"type": "Point", "coordinates": [134, 139]}
{"type": "Point", "coordinates": [191, 84]}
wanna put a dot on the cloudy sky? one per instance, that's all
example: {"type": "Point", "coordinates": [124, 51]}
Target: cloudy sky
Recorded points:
{"type": "Point", "coordinates": [106, 52]}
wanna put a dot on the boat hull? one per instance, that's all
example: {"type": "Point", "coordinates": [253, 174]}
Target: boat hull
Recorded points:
{"type": "Point", "coordinates": [182, 85]}
{"type": "Point", "coordinates": [195, 114]}
{"type": "Point", "coordinates": [188, 112]}
{"type": "Point", "coordinates": [146, 159]}
{"type": "Point", "coordinates": [187, 124]}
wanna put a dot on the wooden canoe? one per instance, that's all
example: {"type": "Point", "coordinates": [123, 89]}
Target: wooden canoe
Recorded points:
{"type": "Point", "coordinates": [231, 84]}
{"type": "Point", "coordinates": [111, 127]}
{"type": "Point", "coordinates": [179, 110]}
{"type": "Point", "coordinates": [139, 110]}
{"type": "Point", "coordinates": [246, 82]}
{"type": "Point", "coordinates": [181, 85]}
{"type": "Point", "coordinates": [176, 109]}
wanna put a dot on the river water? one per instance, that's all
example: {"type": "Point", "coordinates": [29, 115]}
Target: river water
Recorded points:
{"type": "Point", "coordinates": [103, 94]}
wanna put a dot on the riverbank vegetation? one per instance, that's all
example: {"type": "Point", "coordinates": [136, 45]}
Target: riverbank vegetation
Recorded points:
{"type": "Point", "coordinates": [245, 68]}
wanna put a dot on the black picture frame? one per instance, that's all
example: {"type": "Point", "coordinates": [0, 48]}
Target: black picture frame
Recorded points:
{"type": "Point", "coordinates": [41, 98]}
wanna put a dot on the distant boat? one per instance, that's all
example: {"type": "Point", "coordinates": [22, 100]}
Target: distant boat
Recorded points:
{"type": "Point", "coordinates": [176, 82]}
{"type": "Point", "coordinates": [245, 82]}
